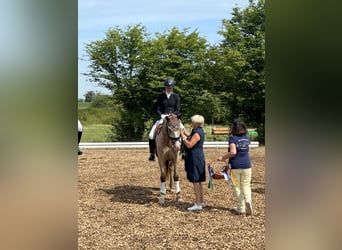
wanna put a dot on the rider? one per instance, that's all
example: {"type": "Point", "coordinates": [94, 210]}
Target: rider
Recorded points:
{"type": "Point", "coordinates": [168, 102]}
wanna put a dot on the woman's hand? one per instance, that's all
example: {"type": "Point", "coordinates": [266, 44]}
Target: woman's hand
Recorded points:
{"type": "Point", "coordinates": [181, 131]}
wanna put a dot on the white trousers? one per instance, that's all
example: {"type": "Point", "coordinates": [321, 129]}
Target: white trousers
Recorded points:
{"type": "Point", "coordinates": [80, 128]}
{"type": "Point", "coordinates": [153, 130]}
{"type": "Point", "coordinates": [151, 135]}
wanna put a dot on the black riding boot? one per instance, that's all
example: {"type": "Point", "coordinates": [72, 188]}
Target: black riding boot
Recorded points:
{"type": "Point", "coordinates": [79, 139]}
{"type": "Point", "coordinates": [152, 146]}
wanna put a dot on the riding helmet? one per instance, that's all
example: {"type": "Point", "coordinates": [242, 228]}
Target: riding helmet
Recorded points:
{"type": "Point", "coordinates": [169, 82]}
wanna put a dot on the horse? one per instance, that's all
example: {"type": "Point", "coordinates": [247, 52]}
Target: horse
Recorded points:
{"type": "Point", "coordinates": [168, 153]}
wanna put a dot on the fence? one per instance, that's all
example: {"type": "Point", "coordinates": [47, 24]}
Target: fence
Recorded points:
{"type": "Point", "coordinates": [121, 145]}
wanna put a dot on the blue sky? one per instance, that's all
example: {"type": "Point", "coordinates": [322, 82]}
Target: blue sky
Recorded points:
{"type": "Point", "coordinates": [95, 17]}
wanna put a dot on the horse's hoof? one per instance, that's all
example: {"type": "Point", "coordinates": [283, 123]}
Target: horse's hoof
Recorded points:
{"type": "Point", "coordinates": [161, 199]}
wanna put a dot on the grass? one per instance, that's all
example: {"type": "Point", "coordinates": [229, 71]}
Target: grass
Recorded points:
{"type": "Point", "coordinates": [96, 133]}
{"type": "Point", "coordinates": [101, 132]}
{"type": "Point", "coordinates": [83, 105]}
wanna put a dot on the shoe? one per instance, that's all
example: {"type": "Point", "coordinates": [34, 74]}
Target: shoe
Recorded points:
{"type": "Point", "coordinates": [203, 205]}
{"type": "Point", "coordinates": [238, 211]}
{"type": "Point", "coordinates": [249, 208]}
{"type": "Point", "coordinates": [80, 152]}
{"type": "Point", "coordinates": [151, 158]}
{"type": "Point", "coordinates": [195, 207]}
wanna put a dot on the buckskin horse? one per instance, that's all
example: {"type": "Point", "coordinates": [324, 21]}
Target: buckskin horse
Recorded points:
{"type": "Point", "coordinates": [168, 153]}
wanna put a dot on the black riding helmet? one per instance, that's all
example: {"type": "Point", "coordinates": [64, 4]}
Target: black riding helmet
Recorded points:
{"type": "Point", "coordinates": [169, 82]}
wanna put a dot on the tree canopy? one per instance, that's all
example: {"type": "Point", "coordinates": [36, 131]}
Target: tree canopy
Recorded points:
{"type": "Point", "coordinates": [220, 82]}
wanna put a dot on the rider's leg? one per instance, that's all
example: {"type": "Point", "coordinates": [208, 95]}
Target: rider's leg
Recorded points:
{"type": "Point", "coordinates": [152, 143]}
{"type": "Point", "coordinates": [152, 139]}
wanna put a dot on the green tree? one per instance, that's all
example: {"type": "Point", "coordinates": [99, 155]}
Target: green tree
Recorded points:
{"type": "Point", "coordinates": [116, 63]}
{"type": "Point", "coordinates": [88, 97]}
{"type": "Point", "coordinates": [243, 54]}
{"type": "Point", "coordinates": [221, 81]}
{"type": "Point", "coordinates": [133, 66]}
{"type": "Point", "coordinates": [179, 54]}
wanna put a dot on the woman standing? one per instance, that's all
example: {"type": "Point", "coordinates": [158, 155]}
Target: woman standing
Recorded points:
{"type": "Point", "coordinates": [239, 160]}
{"type": "Point", "coordinates": [194, 159]}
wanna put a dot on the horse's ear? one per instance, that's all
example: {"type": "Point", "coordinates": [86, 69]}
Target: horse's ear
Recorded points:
{"type": "Point", "coordinates": [179, 115]}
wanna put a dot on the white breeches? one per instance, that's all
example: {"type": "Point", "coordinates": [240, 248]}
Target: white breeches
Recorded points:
{"type": "Point", "coordinates": [153, 130]}
{"type": "Point", "coordinates": [151, 135]}
{"type": "Point", "coordinates": [80, 128]}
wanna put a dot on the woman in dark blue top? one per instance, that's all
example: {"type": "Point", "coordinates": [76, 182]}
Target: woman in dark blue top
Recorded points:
{"type": "Point", "coordinates": [194, 159]}
{"type": "Point", "coordinates": [239, 160]}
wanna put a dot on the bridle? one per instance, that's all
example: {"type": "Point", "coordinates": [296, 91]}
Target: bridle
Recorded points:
{"type": "Point", "coordinates": [172, 128]}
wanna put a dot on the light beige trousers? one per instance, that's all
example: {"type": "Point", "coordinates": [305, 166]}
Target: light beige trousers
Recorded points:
{"type": "Point", "coordinates": [243, 192]}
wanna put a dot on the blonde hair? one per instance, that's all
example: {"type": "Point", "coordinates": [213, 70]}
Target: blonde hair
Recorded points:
{"type": "Point", "coordinates": [198, 119]}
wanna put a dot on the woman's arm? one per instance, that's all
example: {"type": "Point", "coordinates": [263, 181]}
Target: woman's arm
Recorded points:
{"type": "Point", "coordinates": [194, 139]}
{"type": "Point", "coordinates": [230, 154]}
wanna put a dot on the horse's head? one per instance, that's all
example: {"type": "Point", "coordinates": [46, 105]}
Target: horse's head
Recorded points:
{"type": "Point", "coordinates": [173, 126]}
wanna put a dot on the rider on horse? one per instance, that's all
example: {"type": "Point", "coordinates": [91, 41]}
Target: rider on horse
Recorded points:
{"type": "Point", "coordinates": [168, 102]}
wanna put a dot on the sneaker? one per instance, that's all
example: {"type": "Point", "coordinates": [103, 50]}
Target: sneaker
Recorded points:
{"type": "Point", "coordinates": [195, 207]}
{"type": "Point", "coordinates": [151, 158]}
{"type": "Point", "coordinates": [238, 211]}
{"type": "Point", "coordinates": [203, 205]}
{"type": "Point", "coordinates": [249, 208]}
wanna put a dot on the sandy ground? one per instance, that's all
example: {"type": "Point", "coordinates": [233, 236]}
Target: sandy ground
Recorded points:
{"type": "Point", "coordinates": [119, 209]}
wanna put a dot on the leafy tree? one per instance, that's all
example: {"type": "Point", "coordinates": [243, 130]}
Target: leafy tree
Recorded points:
{"type": "Point", "coordinates": [100, 101]}
{"type": "Point", "coordinates": [243, 54]}
{"type": "Point", "coordinates": [221, 81]}
{"type": "Point", "coordinates": [116, 63]}
{"type": "Point", "coordinates": [179, 54]}
{"type": "Point", "coordinates": [133, 66]}
{"type": "Point", "coordinates": [88, 97]}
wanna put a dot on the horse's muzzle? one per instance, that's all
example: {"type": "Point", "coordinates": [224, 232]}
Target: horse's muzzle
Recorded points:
{"type": "Point", "coordinates": [177, 145]}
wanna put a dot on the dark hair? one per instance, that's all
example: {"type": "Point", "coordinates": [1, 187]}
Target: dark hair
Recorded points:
{"type": "Point", "coordinates": [239, 127]}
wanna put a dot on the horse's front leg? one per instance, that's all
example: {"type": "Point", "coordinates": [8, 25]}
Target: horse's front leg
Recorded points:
{"type": "Point", "coordinates": [176, 180]}
{"type": "Point", "coordinates": [170, 169]}
{"type": "Point", "coordinates": [162, 183]}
